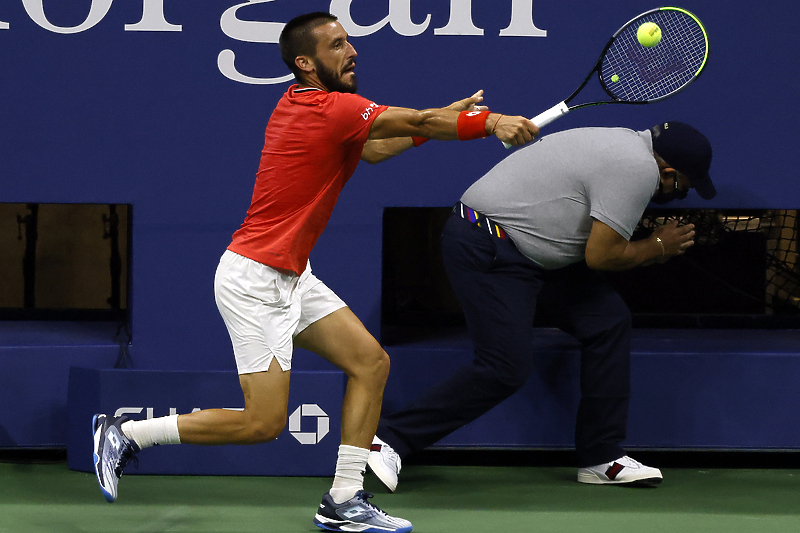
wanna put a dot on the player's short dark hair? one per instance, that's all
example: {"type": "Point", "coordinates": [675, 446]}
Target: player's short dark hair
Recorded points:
{"type": "Point", "coordinates": [297, 38]}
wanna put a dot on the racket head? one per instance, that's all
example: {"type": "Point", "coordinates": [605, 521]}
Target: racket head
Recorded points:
{"type": "Point", "coordinates": [632, 73]}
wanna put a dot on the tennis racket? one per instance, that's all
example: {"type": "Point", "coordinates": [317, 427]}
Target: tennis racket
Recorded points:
{"type": "Point", "coordinates": [631, 73]}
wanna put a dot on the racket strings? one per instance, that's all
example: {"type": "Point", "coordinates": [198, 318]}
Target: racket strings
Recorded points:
{"type": "Point", "coordinates": [634, 73]}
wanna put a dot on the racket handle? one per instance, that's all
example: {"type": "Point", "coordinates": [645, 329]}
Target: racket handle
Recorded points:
{"type": "Point", "coordinates": [543, 119]}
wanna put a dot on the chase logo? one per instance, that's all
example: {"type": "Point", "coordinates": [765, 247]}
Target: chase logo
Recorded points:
{"type": "Point", "coordinates": [295, 420]}
{"type": "Point", "coordinates": [309, 410]}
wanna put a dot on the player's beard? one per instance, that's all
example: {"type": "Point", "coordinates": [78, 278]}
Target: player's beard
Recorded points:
{"type": "Point", "coordinates": [334, 82]}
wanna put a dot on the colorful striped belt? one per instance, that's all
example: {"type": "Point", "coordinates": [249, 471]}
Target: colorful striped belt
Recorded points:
{"type": "Point", "coordinates": [467, 213]}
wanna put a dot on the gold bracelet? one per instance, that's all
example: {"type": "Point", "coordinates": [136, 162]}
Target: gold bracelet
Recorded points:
{"type": "Point", "coordinates": [660, 243]}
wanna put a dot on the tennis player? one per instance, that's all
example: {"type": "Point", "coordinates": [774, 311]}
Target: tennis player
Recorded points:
{"type": "Point", "coordinates": [265, 290]}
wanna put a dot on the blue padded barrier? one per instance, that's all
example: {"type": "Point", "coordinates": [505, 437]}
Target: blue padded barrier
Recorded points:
{"type": "Point", "coordinates": [307, 447]}
{"type": "Point", "coordinates": [691, 389]}
{"type": "Point", "coordinates": [710, 389]}
{"type": "Point", "coordinates": [35, 358]}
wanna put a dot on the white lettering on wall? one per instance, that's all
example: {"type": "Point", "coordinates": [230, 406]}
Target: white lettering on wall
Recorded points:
{"type": "Point", "coordinates": [149, 411]}
{"type": "Point", "coordinates": [341, 8]}
{"type": "Point", "coordinates": [153, 18]}
{"type": "Point", "coordinates": [460, 22]}
{"type": "Point", "coordinates": [35, 10]}
{"type": "Point", "coordinates": [251, 32]}
{"type": "Point", "coordinates": [226, 62]}
{"type": "Point", "coordinates": [400, 19]}
{"type": "Point", "coordinates": [522, 21]}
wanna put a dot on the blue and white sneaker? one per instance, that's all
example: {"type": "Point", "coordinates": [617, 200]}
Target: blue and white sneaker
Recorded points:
{"type": "Point", "coordinates": [112, 452]}
{"type": "Point", "coordinates": [357, 514]}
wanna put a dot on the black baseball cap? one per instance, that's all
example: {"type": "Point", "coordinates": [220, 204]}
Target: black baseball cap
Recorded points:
{"type": "Point", "coordinates": [688, 151]}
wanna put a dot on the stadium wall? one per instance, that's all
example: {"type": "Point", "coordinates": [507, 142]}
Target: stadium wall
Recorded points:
{"type": "Point", "coordinates": [162, 105]}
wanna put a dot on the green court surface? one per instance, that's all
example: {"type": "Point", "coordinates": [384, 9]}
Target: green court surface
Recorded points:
{"type": "Point", "coordinates": [437, 499]}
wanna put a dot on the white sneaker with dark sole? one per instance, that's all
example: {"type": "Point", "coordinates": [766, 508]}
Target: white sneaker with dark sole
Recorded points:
{"type": "Point", "coordinates": [384, 463]}
{"type": "Point", "coordinates": [623, 471]}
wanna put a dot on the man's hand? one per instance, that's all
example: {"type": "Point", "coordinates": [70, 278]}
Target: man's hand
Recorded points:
{"type": "Point", "coordinates": [608, 250]}
{"type": "Point", "coordinates": [510, 129]}
{"type": "Point", "coordinates": [676, 239]}
{"type": "Point", "coordinates": [514, 130]}
{"type": "Point", "coordinates": [469, 104]}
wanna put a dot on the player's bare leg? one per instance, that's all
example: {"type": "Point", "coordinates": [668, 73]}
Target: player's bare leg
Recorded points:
{"type": "Point", "coordinates": [266, 397]}
{"type": "Point", "coordinates": [343, 340]}
{"type": "Point", "coordinates": [117, 440]}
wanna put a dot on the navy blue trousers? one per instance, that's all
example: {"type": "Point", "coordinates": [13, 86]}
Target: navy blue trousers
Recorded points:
{"type": "Point", "coordinates": [500, 291]}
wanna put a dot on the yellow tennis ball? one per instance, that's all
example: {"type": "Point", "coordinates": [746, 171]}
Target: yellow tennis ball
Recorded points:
{"type": "Point", "coordinates": [649, 34]}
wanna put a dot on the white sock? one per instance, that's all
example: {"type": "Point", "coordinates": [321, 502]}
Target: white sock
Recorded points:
{"type": "Point", "coordinates": [152, 432]}
{"type": "Point", "coordinates": [349, 477]}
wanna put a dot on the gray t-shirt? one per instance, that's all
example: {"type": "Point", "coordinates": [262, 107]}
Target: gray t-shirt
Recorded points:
{"type": "Point", "coordinates": [546, 194]}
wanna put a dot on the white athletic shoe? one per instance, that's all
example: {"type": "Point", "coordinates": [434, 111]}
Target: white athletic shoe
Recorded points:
{"type": "Point", "coordinates": [622, 471]}
{"type": "Point", "coordinates": [384, 463]}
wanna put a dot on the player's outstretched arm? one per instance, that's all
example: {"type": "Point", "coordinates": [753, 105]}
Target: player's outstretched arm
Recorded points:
{"type": "Point", "coordinates": [378, 150]}
{"type": "Point", "coordinates": [450, 124]}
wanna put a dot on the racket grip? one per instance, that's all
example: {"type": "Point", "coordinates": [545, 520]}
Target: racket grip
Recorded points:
{"type": "Point", "coordinates": [543, 119]}
{"type": "Point", "coordinates": [557, 111]}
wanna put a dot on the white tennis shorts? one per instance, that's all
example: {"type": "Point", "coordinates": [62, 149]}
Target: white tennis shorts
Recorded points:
{"type": "Point", "coordinates": [264, 309]}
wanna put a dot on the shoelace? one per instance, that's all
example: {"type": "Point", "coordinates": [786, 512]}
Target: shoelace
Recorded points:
{"type": "Point", "coordinates": [365, 496]}
{"type": "Point", "coordinates": [126, 457]}
{"type": "Point", "coordinates": [394, 456]}
{"type": "Point", "coordinates": [631, 463]}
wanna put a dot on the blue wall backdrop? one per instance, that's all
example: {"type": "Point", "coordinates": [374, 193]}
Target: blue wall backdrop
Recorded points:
{"type": "Point", "coordinates": [128, 101]}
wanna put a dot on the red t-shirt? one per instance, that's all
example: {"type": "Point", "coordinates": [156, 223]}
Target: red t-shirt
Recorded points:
{"type": "Point", "coordinates": [313, 144]}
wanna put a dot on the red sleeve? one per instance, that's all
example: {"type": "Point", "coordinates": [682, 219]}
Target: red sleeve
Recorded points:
{"type": "Point", "coordinates": [353, 116]}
